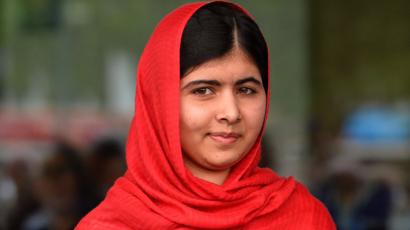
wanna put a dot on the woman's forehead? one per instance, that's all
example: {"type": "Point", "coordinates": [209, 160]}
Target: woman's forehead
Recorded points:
{"type": "Point", "coordinates": [235, 65]}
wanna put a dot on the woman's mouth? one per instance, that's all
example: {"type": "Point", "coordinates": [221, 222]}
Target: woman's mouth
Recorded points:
{"type": "Point", "coordinates": [224, 138]}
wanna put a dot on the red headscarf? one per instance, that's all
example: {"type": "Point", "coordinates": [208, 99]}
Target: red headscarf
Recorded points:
{"type": "Point", "coordinates": [158, 192]}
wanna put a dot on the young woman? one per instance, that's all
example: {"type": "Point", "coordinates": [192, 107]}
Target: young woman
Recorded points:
{"type": "Point", "coordinates": [195, 140]}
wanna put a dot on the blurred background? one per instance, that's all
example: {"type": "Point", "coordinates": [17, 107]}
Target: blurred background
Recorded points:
{"type": "Point", "coordinates": [339, 119]}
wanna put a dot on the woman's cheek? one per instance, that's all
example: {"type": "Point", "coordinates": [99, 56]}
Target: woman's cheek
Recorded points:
{"type": "Point", "coordinates": [194, 117]}
{"type": "Point", "coordinates": [255, 113]}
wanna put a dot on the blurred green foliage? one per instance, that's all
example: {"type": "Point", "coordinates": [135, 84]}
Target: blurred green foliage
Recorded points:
{"type": "Point", "coordinates": [360, 54]}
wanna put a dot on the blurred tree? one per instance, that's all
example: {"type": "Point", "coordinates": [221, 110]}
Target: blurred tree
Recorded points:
{"type": "Point", "coordinates": [40, 15]}
{"type": "Point", "coordinates": [360, 53]}
{"type": "Point", "coordinates": [2, 23]}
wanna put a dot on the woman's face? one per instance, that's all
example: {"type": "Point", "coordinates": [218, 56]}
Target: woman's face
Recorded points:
{"type": "Point", "coordinates": [221, 113]}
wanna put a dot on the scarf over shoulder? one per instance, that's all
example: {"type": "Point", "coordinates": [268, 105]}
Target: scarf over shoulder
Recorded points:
{"type": "Point", "coordinates": [157, 191]}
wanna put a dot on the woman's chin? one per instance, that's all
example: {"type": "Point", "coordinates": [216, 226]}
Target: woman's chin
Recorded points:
{"type": "Point", "coordinates": [221, 165]}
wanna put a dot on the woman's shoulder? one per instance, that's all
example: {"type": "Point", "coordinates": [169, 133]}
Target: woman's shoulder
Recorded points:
{"type": "Point", "coordinates": [304, 208]}
{"type": "Point", "coordinates": [304, 198]}
{"type": "Point", "coordinates": [106, 216]}
{"type": "Point", "coordinates": [102, 217]}
{"type": "Point", "coordinates": [121, 211]}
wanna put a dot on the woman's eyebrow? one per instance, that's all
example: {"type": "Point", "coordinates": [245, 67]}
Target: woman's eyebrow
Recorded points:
{"type": "Point", "coordinates": [199, 82]}
{"type": "Point", "coordinates": [248, 79]}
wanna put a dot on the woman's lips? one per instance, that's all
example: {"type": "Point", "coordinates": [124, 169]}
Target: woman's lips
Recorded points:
{"type": "Point", "coordinates": [224, 138]}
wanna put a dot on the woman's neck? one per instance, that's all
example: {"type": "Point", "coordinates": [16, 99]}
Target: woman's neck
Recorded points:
{"type": "Point", "coordinates": [214, 176]}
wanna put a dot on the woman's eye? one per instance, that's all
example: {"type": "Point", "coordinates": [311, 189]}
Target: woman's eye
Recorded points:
{"type": "Point", "coordinates": [246, 90]}
{"type": "Point", "coordinates": [202, 91]}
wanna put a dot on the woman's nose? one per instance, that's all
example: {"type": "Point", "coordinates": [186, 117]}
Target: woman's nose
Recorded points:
{"type": "Point", "coordinates": [228, 111]}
